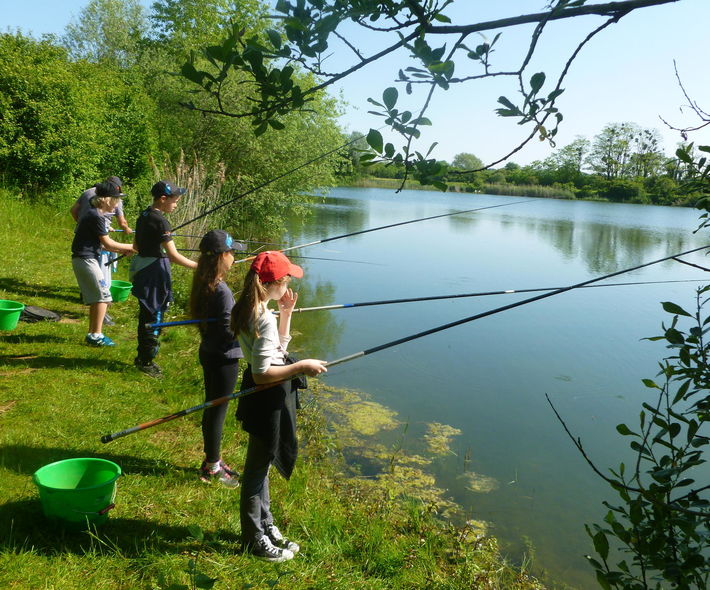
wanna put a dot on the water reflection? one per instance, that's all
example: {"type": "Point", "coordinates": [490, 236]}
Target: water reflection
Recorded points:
{"type": "Point", "coordinates": [511, 463]}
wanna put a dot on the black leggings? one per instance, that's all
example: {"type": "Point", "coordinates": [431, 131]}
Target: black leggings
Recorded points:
{"type": "Point", "coordinates": [220, 380]}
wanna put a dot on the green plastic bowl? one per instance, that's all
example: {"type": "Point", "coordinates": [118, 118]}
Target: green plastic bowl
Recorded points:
{"type": "Point", "coordinates": [78, 491]}
{"type": "Point", "coordinates": [120, 290]}
{"type": "Point", "coordinates": [9, 314]}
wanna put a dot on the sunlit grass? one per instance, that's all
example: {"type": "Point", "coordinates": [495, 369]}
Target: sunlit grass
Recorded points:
{"type": "Point", "coordinates": [58, 396]}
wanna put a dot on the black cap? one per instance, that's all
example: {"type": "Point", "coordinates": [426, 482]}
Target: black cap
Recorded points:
{"type": "Point", "coordinates": [166, 188]}
{"type": "Point", "coordinates": [115, 179]}
{"type": "Point", "coordinates": [108, 189]}
{"type": "Point", "coordinates": [217, 241]}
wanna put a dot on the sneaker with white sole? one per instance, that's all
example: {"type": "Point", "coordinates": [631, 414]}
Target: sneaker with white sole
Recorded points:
{"type": "Point", "coordinates": [222, 474]}
{"type": "Point", "coordinates": [279, 540]}
{"type": "Point", "coordinates": [99, 340]}
{"type": "Point", "coordinates": [265, 549]}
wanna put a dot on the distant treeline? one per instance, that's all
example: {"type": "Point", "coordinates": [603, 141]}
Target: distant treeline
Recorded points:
{"type": "Point", "coordinates": [623, 163]}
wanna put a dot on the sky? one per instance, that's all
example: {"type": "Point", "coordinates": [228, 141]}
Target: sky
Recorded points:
{"type": "Point", "coordinates": [626, 73]}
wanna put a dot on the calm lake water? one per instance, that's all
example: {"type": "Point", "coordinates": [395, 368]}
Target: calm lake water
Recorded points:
{"type": "Point", "coordinates": [489, 378]}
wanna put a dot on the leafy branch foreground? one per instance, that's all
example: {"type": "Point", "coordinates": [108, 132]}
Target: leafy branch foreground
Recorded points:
{"type": "Point", "coordinates": [168, 529]}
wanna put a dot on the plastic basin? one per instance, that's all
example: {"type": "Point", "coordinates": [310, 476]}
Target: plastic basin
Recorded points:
{"type": "Point", "coordinates": [120, 290]}
{"type": "Point", "coordinates": [9, 314]}
{"type": "Point", "coordinates": [78, 491]}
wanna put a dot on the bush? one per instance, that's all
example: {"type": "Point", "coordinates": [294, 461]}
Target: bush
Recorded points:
{"type": "Point", "coordinates": [64, 125]}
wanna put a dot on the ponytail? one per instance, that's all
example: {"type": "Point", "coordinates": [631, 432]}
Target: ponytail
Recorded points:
{"type": "Point", "coordinates": [246, 309]}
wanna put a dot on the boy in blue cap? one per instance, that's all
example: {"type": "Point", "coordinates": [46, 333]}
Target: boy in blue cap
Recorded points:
{"type": "Point", "coordinates": [150, 270]}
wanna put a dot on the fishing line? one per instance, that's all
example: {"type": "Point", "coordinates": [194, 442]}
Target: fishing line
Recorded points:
{"type": "Point", "coordinates": [262, 185]}
{"type": "Point", "coordinates": [430, 298]}
{"type": "Point", "coordinates": [305, 258]}
{"type": "Point", "coordinates": [110, 437]}
{"type": "Point", "coordinates": [365, 231]}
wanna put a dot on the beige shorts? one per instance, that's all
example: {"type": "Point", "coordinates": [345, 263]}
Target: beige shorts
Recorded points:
{"type": "Point", "coordinates": [92, 282]}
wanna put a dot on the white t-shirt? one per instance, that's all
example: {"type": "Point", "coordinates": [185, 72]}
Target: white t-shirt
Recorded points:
{"type": "Point", "coordinates": [269, 348]}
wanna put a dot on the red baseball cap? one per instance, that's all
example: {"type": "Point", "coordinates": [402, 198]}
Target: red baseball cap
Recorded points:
{"type": "Point", "coordinates": [273, 265]}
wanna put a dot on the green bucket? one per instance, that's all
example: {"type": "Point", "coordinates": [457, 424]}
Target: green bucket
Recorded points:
{"type": "Point", "coordinates": [9, 314]}
{"type": "Point", "coordinates": [120, 290]}
{"type": "Point", "coordinates": [78, 491]}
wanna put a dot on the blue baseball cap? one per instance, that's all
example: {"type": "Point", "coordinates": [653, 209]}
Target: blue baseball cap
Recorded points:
{"type": "Point", "coordinates": [166, 188]}
{"type": "Point", "coordinates": [217, 241]}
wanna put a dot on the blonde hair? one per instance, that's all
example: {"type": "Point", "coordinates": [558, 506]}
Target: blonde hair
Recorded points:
{"type": "Point", "coordinates": [246, 309]}
{"type": "Point", "coordinates": [211, 269]}
{"type": "Point", "coordinates": [101, 202]}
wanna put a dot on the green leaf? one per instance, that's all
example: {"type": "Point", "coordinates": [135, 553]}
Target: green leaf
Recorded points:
{"type": "Point", "coordinates": [601, 545]}
{"type": "Point", "coordinates": [196, 532]}
{"type": "Point", "coordinates": [624, 430]}
{"type": "Point", "coordinates": [671, 307]}
{"type": "Point", "coordinates": [203, 581]}
{"type": "Point", "coordinates": [442, 18]}
{"type": "Point", "coordinates": [274, 38]}
{"type": "Point", "coordinates": [536, 82]}
{"type": "Point", "coordinates": [650, 383]}
{"type": "Point", "coordinates": [276, 124]}
{"type": "Point", "coordinates": [374, 140]}
{"type": "Point", "coordinates": [389, 97]}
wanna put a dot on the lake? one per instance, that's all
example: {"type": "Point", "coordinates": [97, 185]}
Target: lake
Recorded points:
{"type": "Point", "coordinates": [489, 378]}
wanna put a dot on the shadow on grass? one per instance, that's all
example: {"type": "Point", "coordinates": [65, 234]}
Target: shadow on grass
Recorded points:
{"type": "Point", "coordinates": [26, 460]}
{"type": "Point", "coordinates": [23, 289]}
{"type": "Point", "coordinates": [29, 338]}
{"type": "Point", "coordinates": [55, 362]}
{"type": "Point", "coordinates": [23, 527]}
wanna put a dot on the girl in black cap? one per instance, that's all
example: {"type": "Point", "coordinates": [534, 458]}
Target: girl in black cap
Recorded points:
{"type": "Point", "coordinates": [219, 352]}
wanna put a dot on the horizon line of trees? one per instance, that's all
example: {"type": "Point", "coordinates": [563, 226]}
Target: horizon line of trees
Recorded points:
{"type": "Point", "coordinates": [623, 162]}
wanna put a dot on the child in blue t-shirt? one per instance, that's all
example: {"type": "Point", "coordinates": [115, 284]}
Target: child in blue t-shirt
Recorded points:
{"type": "Point", "coordinates": [90, 238]}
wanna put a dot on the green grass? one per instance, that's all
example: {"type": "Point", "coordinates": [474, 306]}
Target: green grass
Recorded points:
{"type": "Point", "coordinates": [58, 396]}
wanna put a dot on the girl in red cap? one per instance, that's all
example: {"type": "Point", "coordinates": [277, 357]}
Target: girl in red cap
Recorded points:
{"type": "Point", "coordinates": [269, 415]}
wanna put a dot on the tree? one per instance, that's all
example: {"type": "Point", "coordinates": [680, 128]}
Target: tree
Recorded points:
{"type": "Point", "coordinates": [611, 150]}
{"type": "Point", "coordinates": [107, 31]}
{"type": "Point", "coordinates": [465, 161]}
{"type": "Point", "coordinates": [65, 125]}
{"type": "Point", "coordinates": [308, 31]}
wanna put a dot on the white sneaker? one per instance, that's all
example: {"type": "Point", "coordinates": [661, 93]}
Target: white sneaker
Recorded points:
{"type": "Point", "coordinates": [279, 540]}
{"type": "Point", "coordinates": [264, 549]}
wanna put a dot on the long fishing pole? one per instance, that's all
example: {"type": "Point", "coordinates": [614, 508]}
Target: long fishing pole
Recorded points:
{"type": "Point", "coordinates": [260, 186]}
{"type": "Point", "coordinates": [304, 257]}
{"type": "Point", "coordinates": [430, 298]}
{"type": "Point", "coordinates": [365, 231]}
{"type": "Point", "coordinates": [109, 437]}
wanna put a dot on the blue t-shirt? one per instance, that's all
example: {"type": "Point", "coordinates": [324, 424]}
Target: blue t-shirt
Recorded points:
{"type": "Point", "coordinates": [91, 227]}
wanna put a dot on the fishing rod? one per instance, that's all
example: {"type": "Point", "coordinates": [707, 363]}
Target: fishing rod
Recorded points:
{"type": "Point", "coordinates": [110, 437]}
{"type": "Point", "coordinates": [429, 298]}
{"type": "Point", "coordinates": [303, 257]}
{"type": "Point", "coordinates": [260, 186]}
{"type": "Point", "coordinates": [365, 231]}
{"type": "Point", "coordinates": [235, 239]}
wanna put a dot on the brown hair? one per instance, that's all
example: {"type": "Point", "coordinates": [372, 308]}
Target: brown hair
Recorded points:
{"type": "Point", "coordinates": [211, 269]}
{"type": "Point", "coordinates": [246, 309]}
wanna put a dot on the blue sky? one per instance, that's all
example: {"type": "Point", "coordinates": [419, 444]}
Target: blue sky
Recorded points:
{"type": "Point", "coordinates": [625, 74]}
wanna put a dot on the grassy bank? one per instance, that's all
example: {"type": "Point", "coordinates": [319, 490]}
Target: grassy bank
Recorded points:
{"type": "Point", "coordinates": [58, 396]}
